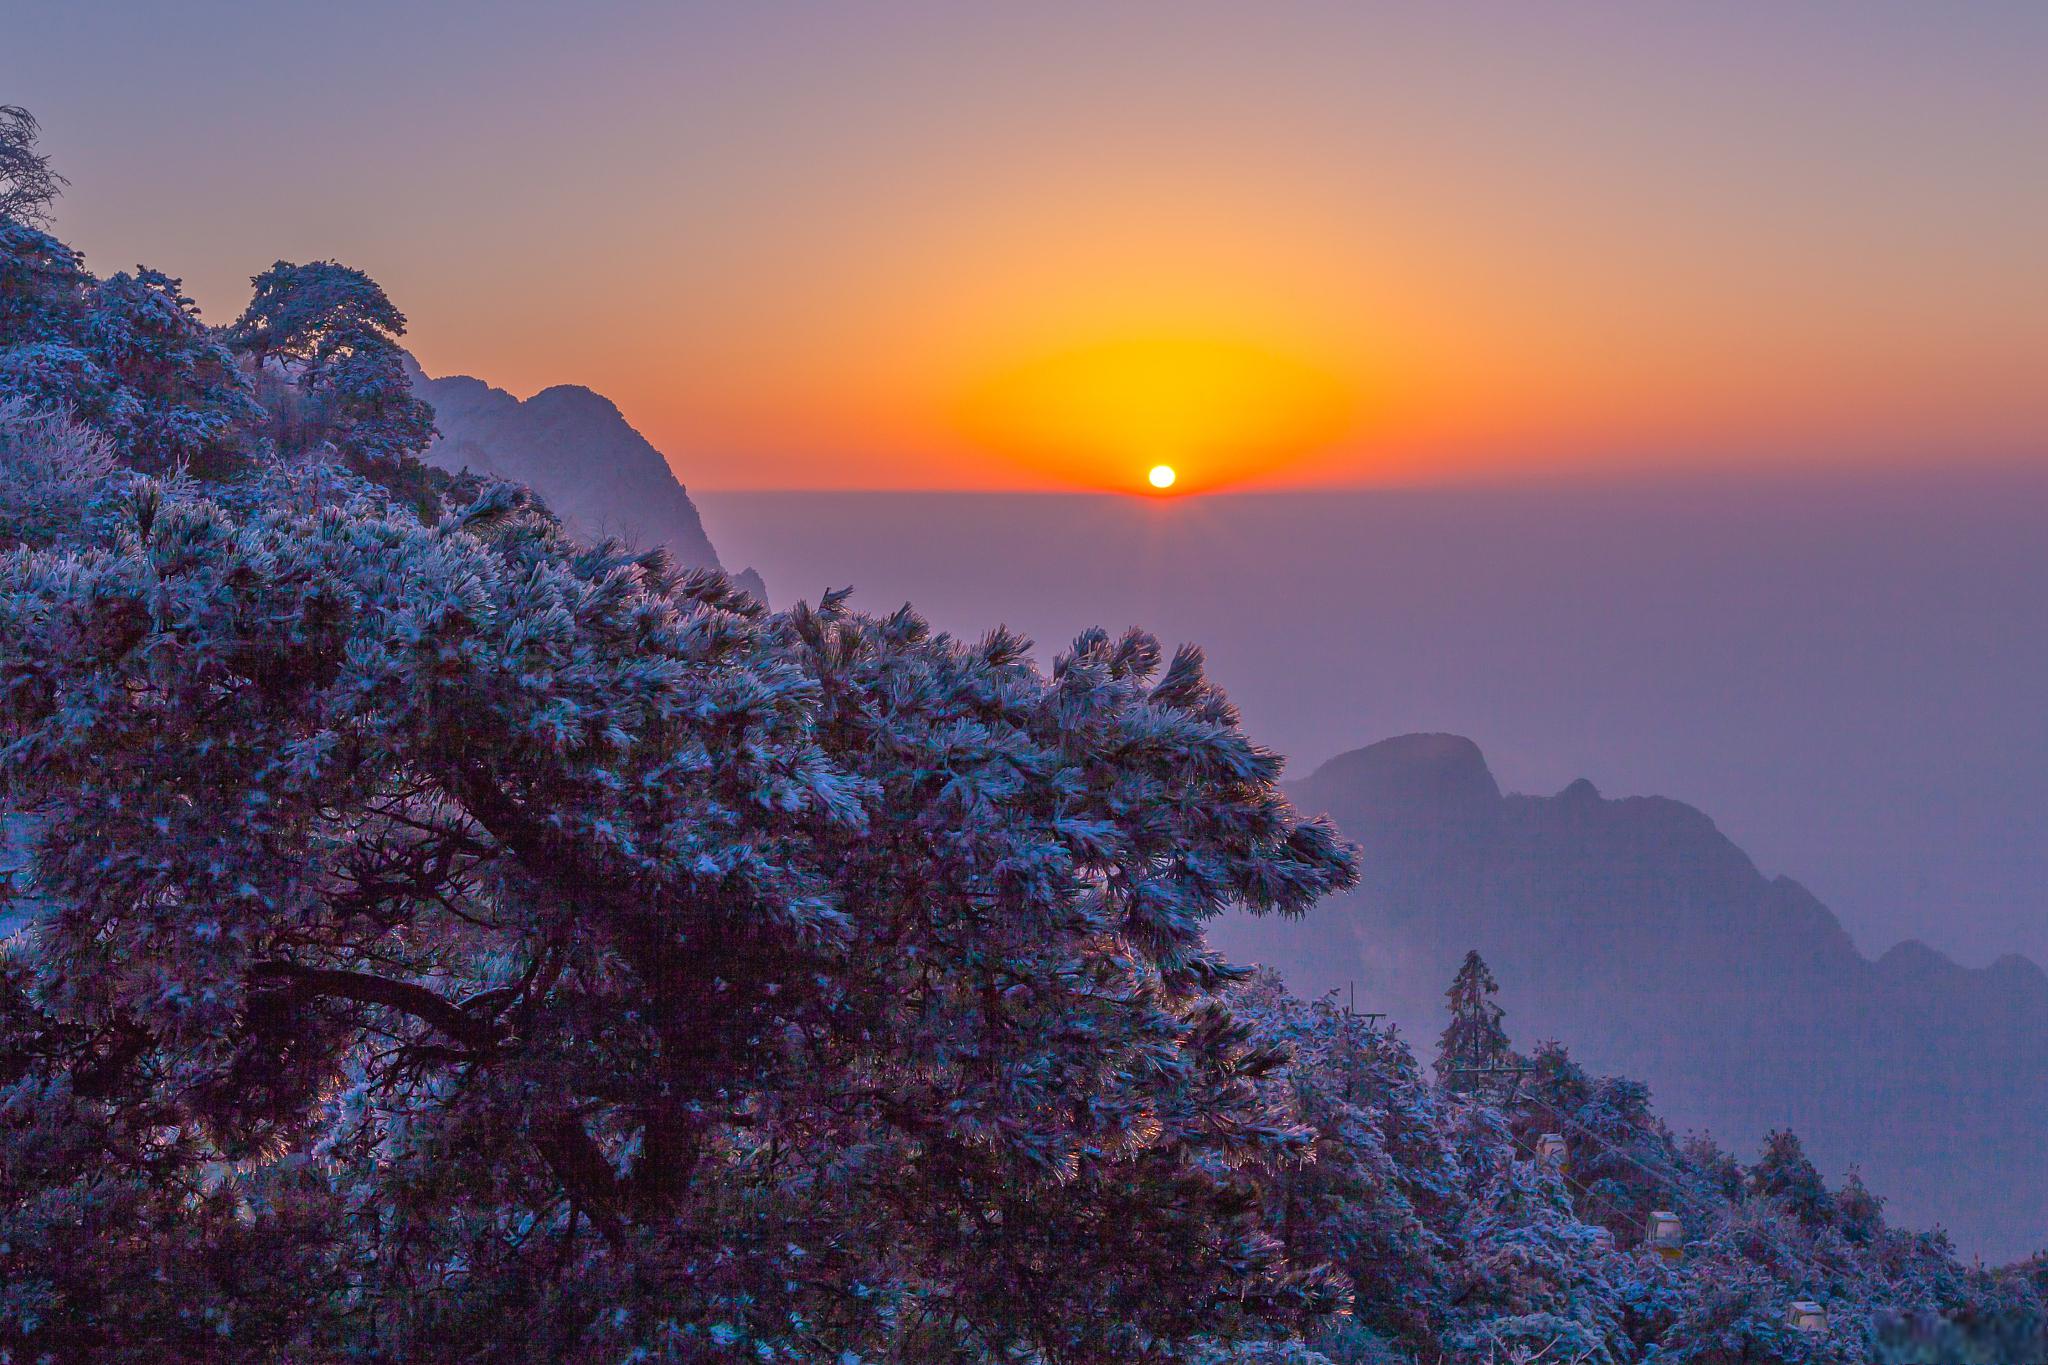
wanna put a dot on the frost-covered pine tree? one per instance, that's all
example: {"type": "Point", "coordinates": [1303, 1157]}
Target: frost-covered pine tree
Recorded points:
{"type": "Point", "coordinates": [538, 919]}
{"type": "Point", "coordinates": [322, 339]}
{"type": "Point", "coordinates": [175, 396]}
{"type": "Point", "coordinates": [1373, 1197]}
{"type": "Point", "coordinates": [51, 470]}
{"type": "Point", "coordinates": [44, 293]}
{"type": "Point", "coordinates": [1783, 1172]}
{"type": "Point", "coordinates": [127, 355]}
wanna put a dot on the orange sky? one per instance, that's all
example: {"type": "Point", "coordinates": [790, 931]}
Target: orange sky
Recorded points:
{"type": "Point", "coordinates": [1047, 246]}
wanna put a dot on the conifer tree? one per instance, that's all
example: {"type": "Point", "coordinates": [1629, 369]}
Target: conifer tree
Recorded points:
{"type": "Point", "coordinates": [43, 283]}
{"type": "Point", "coordinates": [1475, 1042]}
{"type": "Point", "coordinates": [43, 287]}
{"type": "Point", "coordinates": [323, 340]}
{"type": "Point", "coordinates": [175, 394]}
{"type": "Point", "coordinates": [570, 929]}
{"type": "Point", "coordinates": [1784, 1172]}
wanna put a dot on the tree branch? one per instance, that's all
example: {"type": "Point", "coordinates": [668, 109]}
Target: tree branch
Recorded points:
{"type": "Point", "coordinates": [417, 1001]}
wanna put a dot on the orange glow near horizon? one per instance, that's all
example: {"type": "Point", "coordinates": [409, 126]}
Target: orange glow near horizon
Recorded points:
{"type": "Point", "coordinates": [1212, 413]}
{"type": "Point", "coordinates": [1045, 248]}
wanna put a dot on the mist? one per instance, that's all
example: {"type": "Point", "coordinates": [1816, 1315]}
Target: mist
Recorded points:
{"type": "Point", "coordinates": [1847, 675]}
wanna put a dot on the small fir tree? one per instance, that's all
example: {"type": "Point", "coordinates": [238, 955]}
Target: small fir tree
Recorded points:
{"type": "Point", "coordinates": [1474, 1044]}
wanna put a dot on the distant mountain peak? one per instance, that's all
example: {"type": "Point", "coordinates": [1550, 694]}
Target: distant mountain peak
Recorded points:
{"type": "Point", "coordinates": [575, 448]}
{"type": "Point", "coordinates": [2019, 972]}
{"type": "Point", "coordinates": [1581, 789]}
{"type": "Point", "coordinates": [577, 398]}
{"type": "Point", "coordinates": [1419, 776]}
{"type": "Point", "coordinates": [1913, 955]}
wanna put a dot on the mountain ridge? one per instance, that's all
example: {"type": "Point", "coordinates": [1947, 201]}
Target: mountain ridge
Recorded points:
{"type": "Point", "coordinates": [1636, 929]}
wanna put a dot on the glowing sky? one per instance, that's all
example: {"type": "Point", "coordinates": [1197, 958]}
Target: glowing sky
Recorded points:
{"type": "Point", "coordinates": [1049, 245]}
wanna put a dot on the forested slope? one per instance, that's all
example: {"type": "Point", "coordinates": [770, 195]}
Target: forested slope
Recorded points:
{"type": "Point", "coordinates": [1636, 930]}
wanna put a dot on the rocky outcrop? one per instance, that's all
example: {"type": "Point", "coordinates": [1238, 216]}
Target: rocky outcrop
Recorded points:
{"type": "Point", "coordinates": [575, 449]}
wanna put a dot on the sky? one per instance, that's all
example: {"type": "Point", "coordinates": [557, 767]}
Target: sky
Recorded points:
{"type": "Point", "coordinates": [1045, 246]}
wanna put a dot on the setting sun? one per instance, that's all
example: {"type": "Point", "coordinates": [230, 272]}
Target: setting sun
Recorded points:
{"type": "Point", "coordinates": [1237, 410]}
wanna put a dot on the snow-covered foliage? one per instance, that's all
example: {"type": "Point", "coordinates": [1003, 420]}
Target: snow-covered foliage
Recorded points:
{"type": "Point", "coordinates": [43, 291]}
{"type": "Point", "coordinates": [175, 393]}
{"type": "Point", "coordinates": [431, 938]}
{"type": "Point", "coordinates": [127, 355]}
{"type": "Point", "coordinates": [51, 470]}
{"type": "Point", "coordinates": [569, 929]}
{"type": "Point", "coordinates": [1463, 1240]}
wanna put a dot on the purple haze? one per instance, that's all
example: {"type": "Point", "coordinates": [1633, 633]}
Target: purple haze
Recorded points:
{"type": "Point", "coordinates": [1848, 676]}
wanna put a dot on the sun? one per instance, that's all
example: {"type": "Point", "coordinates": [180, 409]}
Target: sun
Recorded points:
{"type": "Point", "coordinates": [1192, 412]}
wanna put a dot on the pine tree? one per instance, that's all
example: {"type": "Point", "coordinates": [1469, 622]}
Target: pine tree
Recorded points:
{"type": "Point", "coordinates": [175, 392]}
{"type": "Point", "coordinates": [51, 469]}
{"type": "Point", "coordinates": [1784, 1172]}
{"type": "Point", "coordinates": [538, 919]}
{"type": "Point", "coordinates": [44, 285]}
{"type": "Point", "coordinates": [1475, 1043]}
{"type": "Point", "coordinates": [323, 341]}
